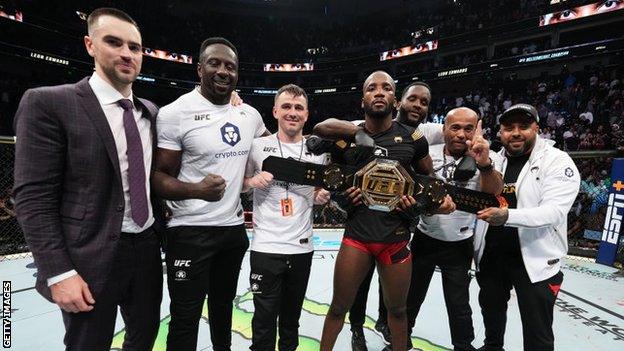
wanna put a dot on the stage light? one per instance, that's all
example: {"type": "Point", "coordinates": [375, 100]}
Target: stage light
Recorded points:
{"type": "Point", "coordinates": [82, 15]}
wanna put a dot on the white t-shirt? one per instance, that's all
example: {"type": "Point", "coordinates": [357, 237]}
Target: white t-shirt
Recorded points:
{"type": "Point", "coordinates": [458, 225]}
{"type": "Point", "coordinates": [432, 131]}
{"type": "Point", "coordinates": [213, 139]}
{"type": "Point", "coordinates": [274, 232]}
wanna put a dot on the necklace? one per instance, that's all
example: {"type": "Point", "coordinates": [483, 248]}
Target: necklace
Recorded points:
{"type": "Point", "coordinates": [279, 143]}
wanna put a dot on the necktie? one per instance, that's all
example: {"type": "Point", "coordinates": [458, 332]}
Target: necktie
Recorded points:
{"type": "Point", "coordinates": [136, 166]}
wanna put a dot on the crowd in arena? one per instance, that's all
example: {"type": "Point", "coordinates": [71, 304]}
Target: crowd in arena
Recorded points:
{"type": "Point", "coordinates": [580, 110]}
{"type": "Point", "coordinates": [359, 38]}
{"type": "Point", "coordinates": [339, 37]}
{"type": "Point", "coordinates": [165, 176]}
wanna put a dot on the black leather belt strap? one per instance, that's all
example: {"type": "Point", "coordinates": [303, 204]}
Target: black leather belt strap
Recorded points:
{"type": "Point", "coordinates": [340, 177]}
{"type": "Point", "coordinates": [331, 177]}
{"type": "Point", "coordinates": [473, 201]}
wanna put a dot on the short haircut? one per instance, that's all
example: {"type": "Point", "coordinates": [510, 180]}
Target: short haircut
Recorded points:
{"type": "Point", "coordinates": [381, 72]}
{"type": "Point", "coordinates": [215, 40]}
{"type": "Point", "coordinates": [108, 11]}
{"type": "Point", "coordinates": [415, 84]}
{"type": "Point", "coordinates": [293, 90]}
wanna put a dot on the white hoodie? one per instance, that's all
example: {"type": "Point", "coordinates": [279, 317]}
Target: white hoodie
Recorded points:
{"type": "Point", "coordinates": [545, 190]}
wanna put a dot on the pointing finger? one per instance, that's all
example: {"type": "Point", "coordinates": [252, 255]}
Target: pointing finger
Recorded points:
{"type": "Point", "coordinates": [479, 130]}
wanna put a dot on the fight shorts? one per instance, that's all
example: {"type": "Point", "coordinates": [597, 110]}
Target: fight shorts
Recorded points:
{"type": "Point", "coordinates": [384, 253]}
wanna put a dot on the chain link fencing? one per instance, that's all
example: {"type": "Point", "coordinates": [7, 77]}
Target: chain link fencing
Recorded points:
{"type": "Point", "coordinates": [585, 219]}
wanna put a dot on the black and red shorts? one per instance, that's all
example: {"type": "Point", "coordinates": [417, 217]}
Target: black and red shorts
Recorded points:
{"type": "Point", "coordinates": [384, 253]}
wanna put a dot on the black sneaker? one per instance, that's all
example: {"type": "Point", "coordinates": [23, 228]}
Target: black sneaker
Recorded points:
{"type": "Point", "coordinates": [358, 341]}
{"type": "Point", "coordinates": [384, 331]}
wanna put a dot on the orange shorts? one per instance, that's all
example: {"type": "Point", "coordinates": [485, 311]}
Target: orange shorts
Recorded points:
{"type": "Point", "coordinates": [384, 253]}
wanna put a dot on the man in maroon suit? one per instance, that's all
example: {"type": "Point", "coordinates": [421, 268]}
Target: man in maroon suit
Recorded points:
{"type": "Point", "coordinates": [82, 165]}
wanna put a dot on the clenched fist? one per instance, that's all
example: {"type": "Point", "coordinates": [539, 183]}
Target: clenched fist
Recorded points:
{"type": "Point", "coordinates": [211, 188]}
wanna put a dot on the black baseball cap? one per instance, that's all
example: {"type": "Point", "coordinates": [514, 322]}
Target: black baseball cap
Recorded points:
{"type": "Point", "coordinates": [522, 110]}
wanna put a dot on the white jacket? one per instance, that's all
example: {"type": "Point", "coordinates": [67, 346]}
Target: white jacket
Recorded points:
{"type": "Point", "coordinates": [545, 190]}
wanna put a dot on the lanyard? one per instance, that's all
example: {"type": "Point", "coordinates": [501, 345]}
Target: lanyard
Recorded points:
{"type": "Point", "coordinates": [279, 143]}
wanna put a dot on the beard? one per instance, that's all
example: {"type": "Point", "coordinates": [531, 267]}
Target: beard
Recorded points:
{"type": "Point", "coordinates": [527, 146]}
{"type": "Point", "coordinates": [377, 114]}
{"type": "Point", "coordinates": [404, 117]}
{"type": "Point", "coordinates": [119, 77]}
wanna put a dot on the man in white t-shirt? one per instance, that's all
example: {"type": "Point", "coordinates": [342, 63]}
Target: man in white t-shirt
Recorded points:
{"type": "Point", "coordinates": [446, 240]}
{"type": "Point", "coordinates": [203, 144]}
{"type": "Point", "coordinates": [281, 249]}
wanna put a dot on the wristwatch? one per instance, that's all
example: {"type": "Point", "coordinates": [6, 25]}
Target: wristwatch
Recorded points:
{"type": "Point", "coordinates": [486, 168]}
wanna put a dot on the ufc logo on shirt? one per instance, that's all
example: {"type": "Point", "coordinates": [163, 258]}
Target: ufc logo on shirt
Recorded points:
{"type": "Point", "coordinates": [182, 263]}
{"type": "Point", "coordinates": [613, 221]}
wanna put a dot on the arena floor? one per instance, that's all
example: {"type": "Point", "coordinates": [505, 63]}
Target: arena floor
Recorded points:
{"type": "Point", "coordinates": [589, 314]}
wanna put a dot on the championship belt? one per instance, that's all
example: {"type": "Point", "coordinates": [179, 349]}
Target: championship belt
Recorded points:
{"type": "Point", "coordinates": [473, 201]}
{"type": "Point", "coordinates": [383, 182]}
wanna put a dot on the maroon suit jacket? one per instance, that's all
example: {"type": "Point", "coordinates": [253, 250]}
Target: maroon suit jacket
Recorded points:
{"type": "Point", "coordinates": [68, 192]}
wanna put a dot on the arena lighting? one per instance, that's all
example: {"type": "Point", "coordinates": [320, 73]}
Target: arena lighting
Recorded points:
{"type": "Point", "coordinates": [327, 90]}
{"type": "Point", "coordinates": [265, 91]}
{"type": "Point", "coordinates": [81, 15]}
{"type": "Point", "coordinates": [317, 51]}
{"type": "Point", "coordinates": [452, 72]}
{"type": "Point", "coordinates": [420, 33]}
{"type": "Point", "coordinates": [581, 50]}
{"type": "Point", "coordinates": [49, 58]}
{"type": "Point", "coordinates": [408, 50]}
{"type": "Point", "coordinates": [544, 56]}
{"type": "Point", "coordinates": [577, 12]}
{"type": "Point", "coordinates": [288, 67]}
{"type": "Point", "coordinates": [146, 79]}
{"type": "Point", "coordinates": [17, 16]}
{"type": "Point", "coordinates": [167, 55]}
